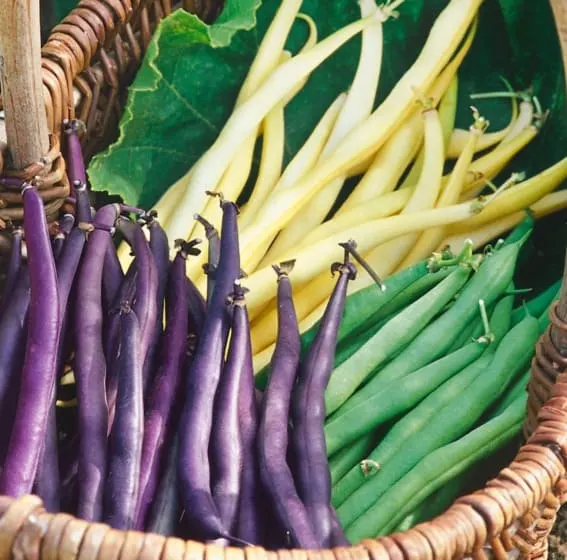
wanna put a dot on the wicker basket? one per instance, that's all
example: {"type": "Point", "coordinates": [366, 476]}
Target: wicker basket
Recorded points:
{"type": "Point", "coordinates": [97, 49]}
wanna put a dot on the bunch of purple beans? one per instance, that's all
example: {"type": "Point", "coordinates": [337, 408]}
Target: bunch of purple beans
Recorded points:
{"type": "Point", "coordinates": [166, 431]}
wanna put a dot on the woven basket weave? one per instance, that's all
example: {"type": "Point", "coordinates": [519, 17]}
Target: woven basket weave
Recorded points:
{"type": "Point", "coordinates": [97, 49]}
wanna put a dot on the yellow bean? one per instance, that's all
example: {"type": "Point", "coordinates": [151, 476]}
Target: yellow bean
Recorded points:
{"type": "Point", "coordinates": [549, 204]}
{"type": "Point", "coordinates": [430, 239]}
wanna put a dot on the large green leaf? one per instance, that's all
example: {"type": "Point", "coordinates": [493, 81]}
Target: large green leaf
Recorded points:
{"type": "Point", "coordinates": [191, 75]}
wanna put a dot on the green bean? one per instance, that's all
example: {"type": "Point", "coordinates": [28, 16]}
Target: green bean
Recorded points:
{"type": "Point", "coordinates": [442, 498]}
{"type": "Point", "coordinates": [359, 476]}
{"type": "Point", "coordinates": [434, 470]}
{"type": "Point", "coordinates": [407, 296]}
{"type": "Point", "coordinates": [452, 420]}
{"type": "Point", "coordinates": [537, 305]}
{"type": "Point", "coordinates": [517, 388]}
{"type": "Point", "coordinates": [396, 398]}
{"type": "Point", "coordinates": [390, 339]}
{"type": "Point", "coordinates": [352, 345]}
{"type": "Point", "coordinates": [418, 418]}
{"type": "Point", "coordinates": [434, 504]}
{"type": "Point", "coordinates": [340, 463]}
{"type": "Point", "coordinates": [361, 334]}
{"type": "Point", "coordinates": [490, 281]}
{"type": "Point", "coordinates": [438, 502]}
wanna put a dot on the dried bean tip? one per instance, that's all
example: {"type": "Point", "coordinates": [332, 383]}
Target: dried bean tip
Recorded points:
{"type": "Point", "coordinates": [210, 230]}
{"type": "Point", "coordinates": [238, 294]}
{"type": "Point", "coordinates": [26, 185]}
{"type": "Point", "coordinates": [87, 227]}
{"type": "Point", "coordinates": [79, 185]}
{"type": "Point", "coordinates": [74, 125]}
{"type": "Point", "coordinates": [284, 268]}
{"type": "Point", "coordinates": [350, 249]}
{"type": "Point", "coordinates": [186, 248]}
{"type": "Point", "coordinates": [369, 467]}
{"type": "Point", "coordinates": [344, 268]}
{"type": "Point", "coordinates": [151, 218]}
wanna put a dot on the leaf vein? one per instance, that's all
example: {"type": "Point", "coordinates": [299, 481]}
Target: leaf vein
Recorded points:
{"type": "Point", "coordinates": [189, 106]}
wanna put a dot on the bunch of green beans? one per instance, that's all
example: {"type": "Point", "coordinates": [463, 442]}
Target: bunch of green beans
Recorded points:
{"type": "Point", "coordinates": [423, 391]}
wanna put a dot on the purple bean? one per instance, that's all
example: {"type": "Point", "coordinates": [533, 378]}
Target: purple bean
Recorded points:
{"type": "Point", "coordinates": [164, 515]}
{"type": "Point", "coordinates": [90, 369]}
{"type": "Point", "coordinates": [68, 265]}
{"type": "Point", "coordinates": [112, 277]}
{"type": "Point", "coordinates": [159, 247]}
{"type": "Point", "coordinates": [226, 443]}
{"type": "Point", "coordinates": [197, 308]}
{"type": "Point", "coordinates": [308, 410]}
{"type": "Point", "coordinates": [202, 379]}
{"type": "Point", "coordinates": [83, 207]}
{"type": "Point", "coordinates": [11, 181]}
{"type": "Point", "coordinates": [57, 245]}
{"type": "Point", "coordinates": [125, 443]}
{"type": "Point", "coordinates": [197, 304]}
{"type": "Point", "coordinates": [14, 264]}
{"type": "Point", "coordinates": [249, 523]}
{"type": "Point", "coordinates": [213, 253]}
{"type": "Point", "coordinates": [125, 297]}
{"type": "Point", "coordinates": [39, 370]}
{"type": "Point", "coordinates": [13, 326]}
{"type": "Point", "coordinates": [47, 484]}
{"type": "Point", "coordinates": [73, 152]}
{"type": "Point", "coordinates": [145, 301]}
{"type": "Point", "coordinates": [163, 399]}
{"type": "Point", "coordinates": [275, 474]}
{"type": "Point", "coordinates": [65, 226]}
{"type": "Point", "coordinates": [338, 537]}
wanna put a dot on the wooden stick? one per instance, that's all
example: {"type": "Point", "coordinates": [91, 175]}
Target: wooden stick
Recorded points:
{"type": "Point", "coordinates": [22, 90]}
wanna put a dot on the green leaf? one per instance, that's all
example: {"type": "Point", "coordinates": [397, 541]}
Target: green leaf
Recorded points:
{"type": "Point", "coordinates": [173, 108]}
{"type": "Point", "coordinates": [192, 73]}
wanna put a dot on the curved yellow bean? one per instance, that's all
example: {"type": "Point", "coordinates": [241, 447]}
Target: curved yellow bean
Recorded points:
{"type": "Point", "coordinates": [549, 204]}
{"type": "Point", "coordinates": [430, 239]}
{"type": "Point", "coordinates": [518, 197]}
{"type": "Point", "coordinates": [423, 197]}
